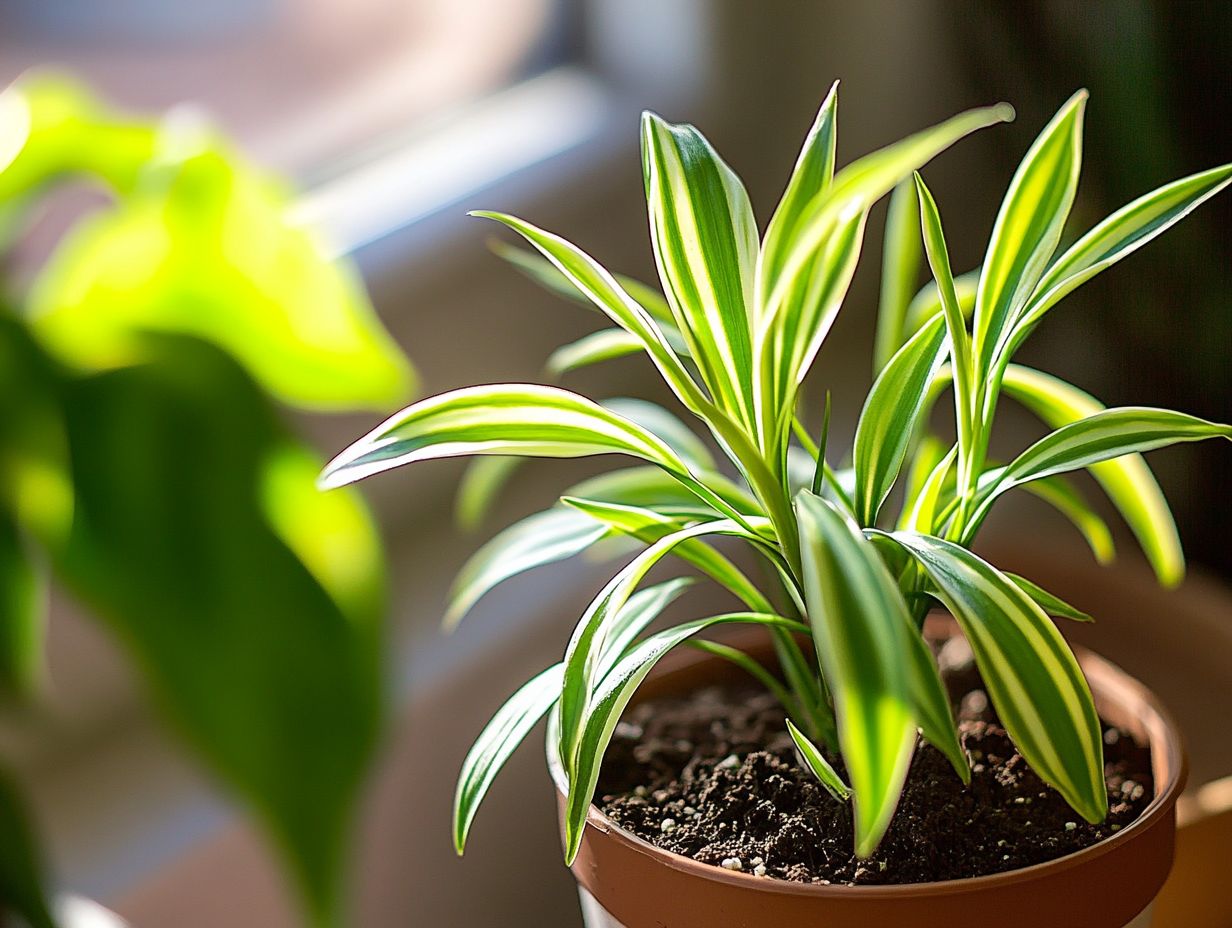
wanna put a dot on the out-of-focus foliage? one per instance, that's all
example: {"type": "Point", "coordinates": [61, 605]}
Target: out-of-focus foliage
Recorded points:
{"type": "Point", "coordinates": [144, 464]}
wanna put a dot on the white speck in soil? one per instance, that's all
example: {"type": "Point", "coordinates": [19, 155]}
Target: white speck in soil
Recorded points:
{"type": "Point", "coordinates": [731, 863]}
{"type": "Point", "coordinates": [668, 825]}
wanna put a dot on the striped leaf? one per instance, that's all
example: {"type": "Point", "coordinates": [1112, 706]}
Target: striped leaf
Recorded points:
{"type": "Point", "coordinates": [609, 700]}
{"type": "Point", "coordinates": [1122, 233]}
{"type": "Point", "coordinates": [657, 420]}
{"type": "Point", "coordinates": [817, 763]}
{"type": "Point", "coordinates": [920, 515]}
{"type": "Point", "coordinates": [539, 269]}
{"type": "Point", "coordinates": [635, 617]}
{"type": "Point", "coordinates": [543, 538]}
{"type": "Point", "coordinates": [1050, 603]}
{"type": "Point", "coordinates": [1033, 678]}
{"type": "Point", "coordinates": [1102, 436]}
{"type": "Point", "coordinates": [706, 245]}
{"type": "Point", "coordinates": [1028, 228]}
{"type": "Point", "coordinates": [592, 280]}
{"type": "Point", "coordinates": [498, 740]}
{"type": "Point", "coordinates": [588, 639]}
{"type": "Point", "coordinates": [888, 420]}
{"type": "Point", "coordinates": [1126, 480]}
{"type": "Point", "coordinates": [900, 272]}
{"type": "Point", "coordinates": [503, 419]}
{"type": "Point", "coordinates": [927, 302]}
{"type": "Point", "coordinates": [652, 487]}
{"type": "Point", "coordinates": [604, 345]}
{"type": "Point", "coordinates": [930, 700]}
{"type": "Point", "coordinates": [650, 526]}
{"type": "Point", "coordinates": [811, 176]}
{"type": "Point", "coordinates": [858, 619]}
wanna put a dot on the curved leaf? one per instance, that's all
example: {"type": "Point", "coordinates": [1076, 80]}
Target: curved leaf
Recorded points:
{"type": "Point", "coordinates": [706, 245]}
{"type": "Point", "coordinates": [601, 288]}
{"type": "Point", "coordinates": [609, 700]}
{"type": "Point", "coordinates": [604, 345]}
{"type": "Point", "coordinates": [1052, 605]}
{"type": "Point", "coordinates": [858, 619]}
{"type": "Point", "coordinates": [889, 417]}
{"type": "Point", "coordinates": [1121, 234]}
{"type": "Point", "coordinates": [817, 763]}
{"type": "Point", "coordinates": [1033, 679]}
{"type": "Point", "coordinates": [654, 418]}
{"type": "Point", "coordinates": [900, 271]}
{"type": "Point", "coordinates": [1127, 480]}
{"type": "Point", "coordinates": [1028, 228]}
{"type": "Point", "coordinates": [479, 487]}
{"type": "Point", "coordinates": [498, 740]}
{"type": "Point", "coordinates": [543, 538]}
{"type": "Point", "coordinates": [1064, 497]}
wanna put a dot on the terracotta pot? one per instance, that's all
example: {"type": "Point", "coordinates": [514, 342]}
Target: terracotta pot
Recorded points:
{"type": "Point", "coordinates": [625, 882]}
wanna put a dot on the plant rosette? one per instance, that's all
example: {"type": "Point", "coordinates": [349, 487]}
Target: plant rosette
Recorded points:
{"type": "Point", "coordinates": [740, 320]}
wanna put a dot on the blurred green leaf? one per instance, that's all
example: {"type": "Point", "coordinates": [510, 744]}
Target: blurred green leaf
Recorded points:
{"type": "Point", "coordinates": [21, 877]}
{"type": "Point", "coordinates": [22, 609]}
{"type": "Point", "coordinates": [179, 465]}
{"type": "Point", "coordinates": [901, 258]}
{"type": "Point", "coordinates": [204, 245]}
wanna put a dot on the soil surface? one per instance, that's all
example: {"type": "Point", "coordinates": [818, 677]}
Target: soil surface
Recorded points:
{"type": "Point", "coordinates": [715, 777]}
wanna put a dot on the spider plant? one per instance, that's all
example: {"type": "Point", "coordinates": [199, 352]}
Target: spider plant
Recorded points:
{"type": "Point", "coordinates": [741, 320]}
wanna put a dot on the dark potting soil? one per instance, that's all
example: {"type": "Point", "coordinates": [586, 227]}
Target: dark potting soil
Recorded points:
{"type": "Point", "coordinates": [715, 777]}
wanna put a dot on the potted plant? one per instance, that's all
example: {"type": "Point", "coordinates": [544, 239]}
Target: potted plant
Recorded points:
{"type": "Point", "coordinates": [147, 469]}
{"type": "Point", "coordinates": [711, 814]}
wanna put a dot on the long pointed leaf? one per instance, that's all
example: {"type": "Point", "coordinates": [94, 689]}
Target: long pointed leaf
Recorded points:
{"type": "Point", "coordinates": [889, 417]}
{"type": "Point", "coordinates": [1127, 480]}
{"type": "Point", "coordinates": [858, 619]}
{"type": "Point", "coordinates": [543, 538]}
{"type": "Point", "coordinates": [1028, 228]}
{"type": "Point", "coordinates": [602, 289]}
{"type": "Point", "coordinates": [900, 271]}
{"type": "Point", "coordinates": [1033, 679]}
{"type": "Point", "coordinates": [498, 740]}
{"type": "Point", "coordinates": [609, 700]}
{"type": "Point", "coordinates": [604, 345]}
{"type": "Point", "coordinates": [1050, 603]}
{"type": "Point", "coordinates": [706, 245]}
{"type": "Point", "coordinates": [817, 763]}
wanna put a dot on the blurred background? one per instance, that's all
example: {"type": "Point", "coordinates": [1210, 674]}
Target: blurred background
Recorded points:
{"type": "Point", "coordinates": [393, 117]}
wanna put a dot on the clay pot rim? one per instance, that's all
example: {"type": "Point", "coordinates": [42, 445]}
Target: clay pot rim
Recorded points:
{"type": "Point", "coordinates": [1103, 676]}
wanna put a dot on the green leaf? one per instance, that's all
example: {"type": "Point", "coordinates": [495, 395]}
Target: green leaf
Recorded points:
{"type": "Point", "coordinates": [650, 526]}
{"type": "Point", "coordinates": [927, 302]}
{"type": "Point", "coordinates": [498, 740]}
{"type": "Point", "coordinates": [587, 642]}
{"type": "Point", "coordinates": [1122, 233]}
{"type": "Point", "coordinates": [706, 246]}
{"type": "Point", "coordinates": [635, 617]}
{"type": "Point", "coordinates": [654, 418]}
{"type": "Point", "coordinates": [604, 345]}
{"type": "Point", "coordinates": [889, 417]}
{"type": "Point", "coordinates": [796, 306]}
{"type": "Point", "coordinates": [609, 700]}
{"type": "Point", "coordinates": [543, 538]}
{"type": "Point", "coordinates": [811, 176]}
{"type": "Point", "coordinates": [21, 871]}
{"type": "Point", "coordinates": [1099, 437]}
{"type": "Point", "coordinates": [858, 618]}
{"type": "Point", "coordinates": [539, 269]}
{"type": "Point", "coordinates": [601, 288]}
{"type": "Point", "coordinates": [652, 487]}
{"type": "Point", "coordinates": [1053, 605]}
{"type": "Point", "coordinates": [22, 613]}
{"type": "Point", "coordinates": [754, 669]}
{"type": "Point", "coordinates": [955, 325]}
{"type": "Point", "coordinates": [523, 419]}
{"type": "Point", "coordinates": [1033, 679]}
{"type": "Point", "coordinates": [1028, 229]}
{"type": "Point", "coordinates": [921, 513]}
{"type": "Point", "coordinates": [205, 245]}
{"type": "Point", "coordinates": [479, 487]}
{"type": "Point", "coordinates": [900, 269]}
{"type": "Point", "coordinates": [817, 763]}
{"type": "Point", "coordinates": [259, 653]}
{"type": "Point", "coordinates": [1127, 480]}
